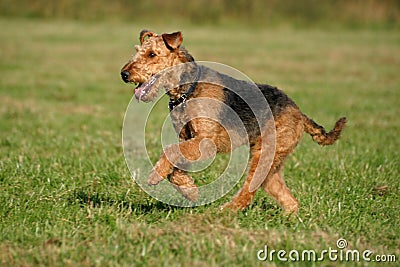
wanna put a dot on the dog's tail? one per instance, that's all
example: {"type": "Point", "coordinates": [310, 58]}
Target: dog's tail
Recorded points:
{"type": "Point", "coordinates": [318, 132]}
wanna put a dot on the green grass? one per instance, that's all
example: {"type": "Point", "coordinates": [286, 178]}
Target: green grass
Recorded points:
{"type": "Point", "coordinates": [257, 13]}
{"type": "Point", "coordinates": [68, 199]}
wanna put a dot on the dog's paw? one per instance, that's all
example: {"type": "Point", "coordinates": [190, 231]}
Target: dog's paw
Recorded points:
{"type": "Point", "coordinates": [154, 178]}
{"type": "Point", "coordinates": [190, 193]}
{"type": "Point", "coordinates": [234, 206]}
{"type": "Point", "coordinates": [230, 207]}
{"type": "Point", "coordinates": [291, 210]}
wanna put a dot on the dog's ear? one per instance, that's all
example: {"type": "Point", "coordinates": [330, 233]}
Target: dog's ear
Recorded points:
{"type": "Point", "coordinates": [144, 34]}
{"type": "Point", "coordinates": [172, 40]}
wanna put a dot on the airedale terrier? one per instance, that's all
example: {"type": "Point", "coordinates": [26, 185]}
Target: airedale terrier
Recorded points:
{"type": "Point", "coordinates": [160, 52]}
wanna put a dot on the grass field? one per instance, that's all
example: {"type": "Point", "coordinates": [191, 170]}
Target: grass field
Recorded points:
{"type": "Point", "coordinates": [68, 199]}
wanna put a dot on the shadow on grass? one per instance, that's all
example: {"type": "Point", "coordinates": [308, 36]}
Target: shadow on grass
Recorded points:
{"type": "Point", "coordinates": [97, 200]}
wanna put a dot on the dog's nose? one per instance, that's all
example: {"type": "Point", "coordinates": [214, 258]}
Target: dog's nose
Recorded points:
{"type": "Point", "coordinates": [125, 76]}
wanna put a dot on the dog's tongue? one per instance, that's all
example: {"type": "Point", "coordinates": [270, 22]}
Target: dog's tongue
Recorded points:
{"type": "Point", "coordinates": [144, 88]}
{"type": "Point", "coordinates": [138, 92]}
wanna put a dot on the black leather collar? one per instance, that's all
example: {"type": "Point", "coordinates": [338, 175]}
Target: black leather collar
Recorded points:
{"type": "Point", "coordinates": [182, 99]}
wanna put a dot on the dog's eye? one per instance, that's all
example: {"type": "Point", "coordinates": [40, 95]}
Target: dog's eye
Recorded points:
{"type": "Point", "coordinates": [151, 54]}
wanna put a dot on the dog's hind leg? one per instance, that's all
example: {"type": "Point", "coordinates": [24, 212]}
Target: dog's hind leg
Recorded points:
{"type": "Point", "coordinates": [289, 129]}
{"type": "Point", "coordinates": [244, 197]}
{"type": "Point", "coordinates": [275, 186]}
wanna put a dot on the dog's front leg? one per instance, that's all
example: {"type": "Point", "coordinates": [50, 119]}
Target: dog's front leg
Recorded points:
{"type": "Point", "coordinates": [184, 184]}
{"type": "Point", "coordinates": [195, 149]}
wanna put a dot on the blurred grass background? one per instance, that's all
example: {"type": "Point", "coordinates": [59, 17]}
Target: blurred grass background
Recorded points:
{"type": "Point", "coordinates": [257, 13]}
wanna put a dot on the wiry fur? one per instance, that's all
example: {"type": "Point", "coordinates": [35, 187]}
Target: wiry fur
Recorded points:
{"type": "Point", "coordinates": [200, 137]}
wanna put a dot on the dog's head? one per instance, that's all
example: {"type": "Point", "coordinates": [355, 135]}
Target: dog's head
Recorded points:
{"type": "Point", "coordinates": [154, 54]}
